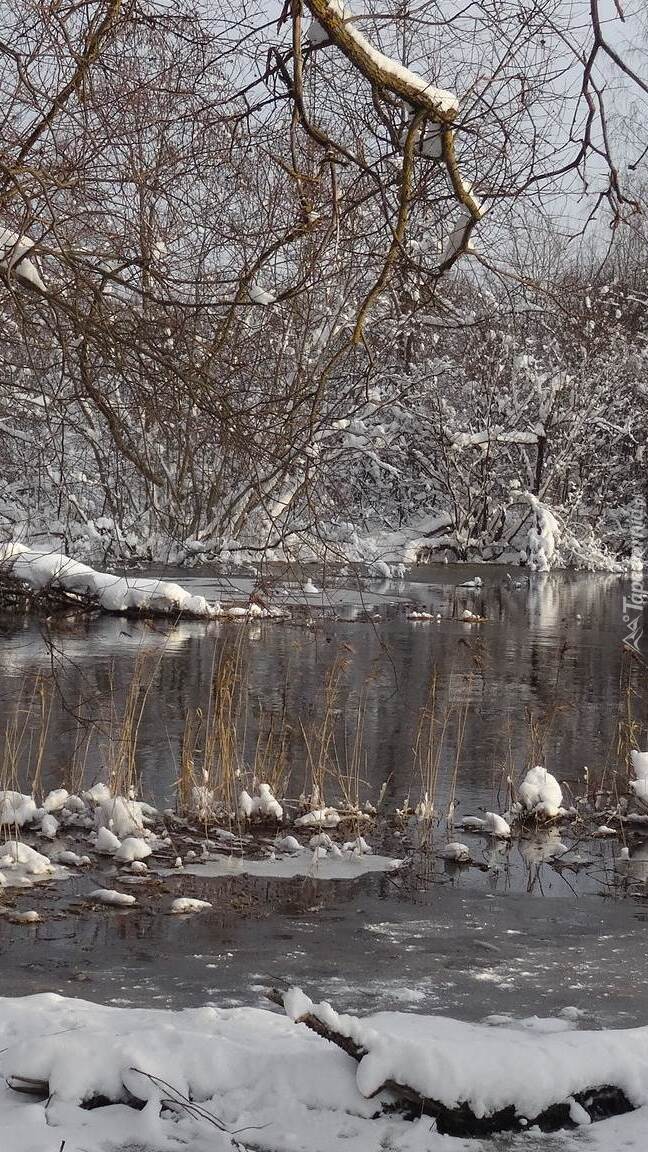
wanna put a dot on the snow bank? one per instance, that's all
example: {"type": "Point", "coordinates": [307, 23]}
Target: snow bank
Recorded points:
{"type": "Point", "coordinates": [112, 593]}
{"type": "Point", "coordinates": [278, 1086]}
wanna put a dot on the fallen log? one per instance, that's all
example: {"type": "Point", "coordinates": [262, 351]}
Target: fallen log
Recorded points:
{"type": "Point", "coordinates": [599, 1102]}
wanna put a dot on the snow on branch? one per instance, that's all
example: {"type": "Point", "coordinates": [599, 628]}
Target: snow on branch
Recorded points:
{"type": "Point", "coordinates": [380, 69]}
{"type": "Point", "coordinates": [15, 262]}
{"type": "Point", "coordinates": [427, 103]}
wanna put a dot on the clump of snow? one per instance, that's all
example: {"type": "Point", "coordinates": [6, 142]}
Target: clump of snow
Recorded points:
{"type": "Point", "coordinates": [122, 815]}
{"type": "Point", "coordinates": [263, 806]}
{"type": "Point", "coordinates": [456, 851]}
{"type": "Point", "coordinates": [98, 793]}
{"type": "Point", "coordinates": [496, 825]}
{"type": "Point", "coordinates": [16, 808]}
{"type": "Point", "coordinates": [319, 818]}
{"type": "Point", "coordinates": [66, 856]}
{"type": "Point", "coordinates": [289, 844]}
{"type": "Point", "coordinates": [56, 800]}
{"type": "Point", "coordinates": [131, 849]}
{"type": "Point", "coordinates": [259, 295]}
{"type": "Point", "coordinates": [184, 904]}
{"type": "Point", "coordinates": [49, 826]}
{"type": "Point", "coordinates": [425, 808]}
{"type": "Point", "coordinates": [543, 536]}
{"type": "Point", "coordinates": [319, 840]}
{"type": "Point", "coordinates": [30, 917]}
{"type": "Point", "coordinates": [358, 847]}
{"type": "Point", "coordinates": [472, 824]}
{"type": "Point", "coordinates": [640, 785]}
{"type": "Point", "coordinates": [112, 896]}
{"type": "Point", "coordinates": [540, 793]}
{"type": "Point", "coordinates": [107, 843]}
{"type": "Point", "coordinates": [14, 852]}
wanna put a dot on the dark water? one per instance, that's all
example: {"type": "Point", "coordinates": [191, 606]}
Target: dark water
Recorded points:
{"type": "Point", "coordinates": [467, 943]}
{"type": "Point", "coordinates": [550, 656]}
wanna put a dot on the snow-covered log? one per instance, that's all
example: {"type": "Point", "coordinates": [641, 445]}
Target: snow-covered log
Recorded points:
{"type": "Point", "coordinates": [475, 1079]}
{"type": "Point", "coordinates": [332, 16]}
{"type": "Point", "coordinates": [48, 572]}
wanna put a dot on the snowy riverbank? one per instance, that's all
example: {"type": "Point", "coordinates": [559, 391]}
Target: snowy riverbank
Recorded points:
{"type": "Point", "coordinates": [217, 1079]}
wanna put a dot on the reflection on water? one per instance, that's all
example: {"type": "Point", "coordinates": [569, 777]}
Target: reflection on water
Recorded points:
{"type": "Point", "coordinates": [551, 649]}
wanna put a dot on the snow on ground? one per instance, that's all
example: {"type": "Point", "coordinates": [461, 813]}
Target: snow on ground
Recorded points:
{"type": "Point", "coordinates": [278, 1086]}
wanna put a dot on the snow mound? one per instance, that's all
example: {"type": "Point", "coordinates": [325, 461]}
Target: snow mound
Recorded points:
{"type": "Point", "coordinates": [49, 826]}
{"type": "Point", "coordinates": [32, 862]}
{"type": "Point", "coordinates": [111, 896]}
{"type": "Point", "coordinates": [56, 800]}
{"type": "Point", "coordinates": [456, 851]}
{"type": "Point", "coordinates": [131, 849]}
{"type": "Point", "coordinates": [320, 818]}
{"type": "Point", "coordinates": [496, 825]}
{"type": "Point", "coordinates": [107, 843]}
{"type": "Point", "coordinates": [540, 792]}
{"type": "Point", "coordinates": [16, 808]}
{"type": "Point", "coordinates": [263, 806]}
{"type": "Point", "coordinates": [186, 904]}
{"type": "Point", "coordinates": [122, 815]}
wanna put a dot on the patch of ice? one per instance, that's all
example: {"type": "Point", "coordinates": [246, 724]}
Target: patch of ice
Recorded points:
{"type": "Point", "coordinates": [305, 863]}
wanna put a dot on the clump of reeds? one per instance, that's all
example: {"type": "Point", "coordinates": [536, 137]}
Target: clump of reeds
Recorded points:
{"type": "Point", "coordinates": [25, 738]}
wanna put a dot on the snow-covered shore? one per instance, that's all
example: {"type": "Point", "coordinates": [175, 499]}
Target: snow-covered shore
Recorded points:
{"type": "Point", "coordinates": [41, 570]}
{"type": "Point", "coordinates": [258, 1080]}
